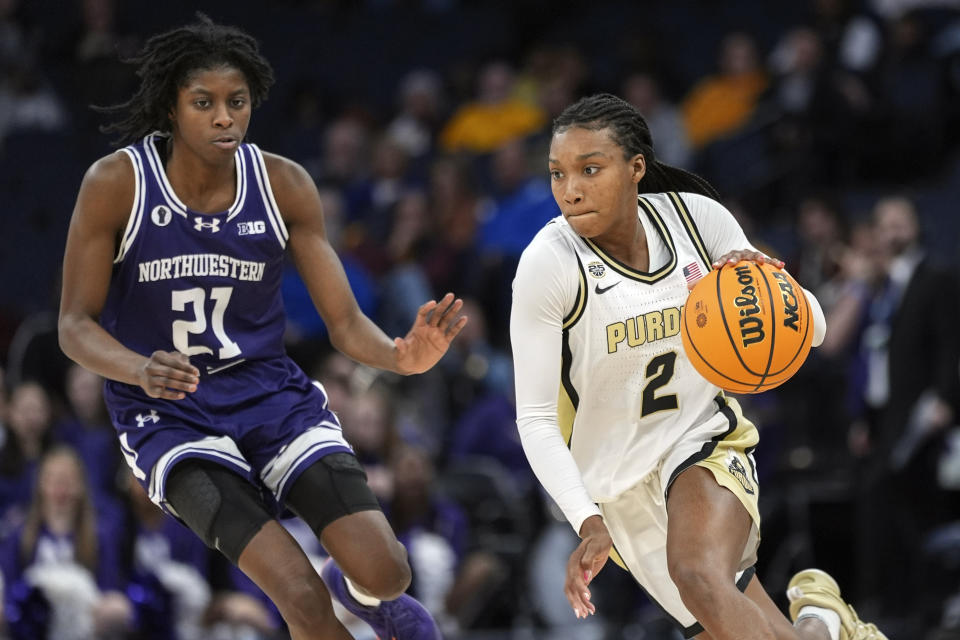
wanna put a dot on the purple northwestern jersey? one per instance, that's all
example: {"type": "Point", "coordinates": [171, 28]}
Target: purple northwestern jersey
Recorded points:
{"type": "Point", "coordinates": [208, 286]}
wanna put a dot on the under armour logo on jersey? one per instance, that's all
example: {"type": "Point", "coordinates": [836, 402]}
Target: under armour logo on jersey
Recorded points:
{"type": "Point", "coordinates": [142, 420]}
{"type": "Point", "coordinates": [200, 224]}
{"type": "Point", "coordinates": [161, 215]}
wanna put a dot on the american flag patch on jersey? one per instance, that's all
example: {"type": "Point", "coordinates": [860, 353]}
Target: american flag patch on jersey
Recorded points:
{"type": "Point", "coordinates": [692, 272]}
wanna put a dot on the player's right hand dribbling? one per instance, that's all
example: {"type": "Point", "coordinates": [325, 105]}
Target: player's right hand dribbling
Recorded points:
{"type": "Point", "coordinates": [168, 375]}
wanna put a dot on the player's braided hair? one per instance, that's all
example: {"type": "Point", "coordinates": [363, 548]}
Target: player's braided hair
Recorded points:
{"type": "Point", "coordinates": [629, 130]}
{"type": "Point", "coordinates": [165, 64]}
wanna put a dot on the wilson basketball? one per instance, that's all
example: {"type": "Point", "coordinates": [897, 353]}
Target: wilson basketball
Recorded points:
{"type": "Point", "coordinates": [747, 328]}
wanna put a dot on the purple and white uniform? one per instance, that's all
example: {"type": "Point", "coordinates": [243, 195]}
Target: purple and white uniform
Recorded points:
{"type": "Point", "coordinates": [208, 286]}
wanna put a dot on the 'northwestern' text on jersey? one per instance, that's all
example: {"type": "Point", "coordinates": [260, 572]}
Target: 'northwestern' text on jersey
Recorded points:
{"type": "Point", "coordinates": [206, 285]}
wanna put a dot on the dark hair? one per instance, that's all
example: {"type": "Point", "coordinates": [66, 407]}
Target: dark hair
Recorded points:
{"type": "Point", "coordinates": [84, 525]}
{"type": "Point", "coordinates": [629, 130]}
{"type": "Point", "coordinates": [166, 62]}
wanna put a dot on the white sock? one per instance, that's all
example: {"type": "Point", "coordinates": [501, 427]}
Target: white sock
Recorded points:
{"type": "Point", "coordinates": [827, 616]}
{"type": "Point", "coordinates": [370, 601]}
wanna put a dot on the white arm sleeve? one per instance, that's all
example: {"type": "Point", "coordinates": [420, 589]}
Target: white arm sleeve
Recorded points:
{"type": "Point", "coordinates": [722, 233]}
{"type": "Point", "coordinates": [543, 291]}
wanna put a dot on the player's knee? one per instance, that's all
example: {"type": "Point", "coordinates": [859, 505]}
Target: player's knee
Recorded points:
{"type": "Point", "coordinates": [222, 508]}
{"type": "Point", "coordinates": [695, 581]}
{"type": "Point", "coordinates": [388, 578]}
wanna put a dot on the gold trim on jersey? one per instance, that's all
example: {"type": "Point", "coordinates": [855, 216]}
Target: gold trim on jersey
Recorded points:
{"type": "Point", "coordinates": [691, 227]}
{"type": "Point", "coordinates": [631, 273]}
{"type": "Point", "coordinates": [566, 412]}
{"type": "Point", "coordinates": [580, 303]}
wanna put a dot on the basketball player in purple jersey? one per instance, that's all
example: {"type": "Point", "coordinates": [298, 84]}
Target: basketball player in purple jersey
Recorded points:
{"type": "Point", "coordinates": [171, 291]}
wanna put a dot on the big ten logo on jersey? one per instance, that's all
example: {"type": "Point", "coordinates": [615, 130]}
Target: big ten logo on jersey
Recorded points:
{"type": "Point", "coordinates": [645, 328]}
{"type": "Point", "coordinates": [251, 228]}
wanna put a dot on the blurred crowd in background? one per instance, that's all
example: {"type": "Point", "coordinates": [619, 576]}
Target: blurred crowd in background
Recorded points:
{"type": "Point", "coordinates": [831, 129]}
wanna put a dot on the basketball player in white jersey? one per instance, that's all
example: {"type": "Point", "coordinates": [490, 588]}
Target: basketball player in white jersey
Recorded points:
{"type": "Point", "coordinates": [650, 463]}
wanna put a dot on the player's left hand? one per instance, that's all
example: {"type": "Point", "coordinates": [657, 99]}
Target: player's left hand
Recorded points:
{"type": "Point", "coordinates": [585, 563]}
{"type": "Point", "coordinates": [740, 255]}
{"type": "Point", "coordinates": [437, 324]}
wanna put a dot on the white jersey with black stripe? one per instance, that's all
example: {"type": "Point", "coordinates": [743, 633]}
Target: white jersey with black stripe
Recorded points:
{"type": "Point", "coordinates": [600, 367]}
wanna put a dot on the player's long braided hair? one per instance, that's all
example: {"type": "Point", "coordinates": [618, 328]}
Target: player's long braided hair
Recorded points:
{"type": "Point", "coordinates": [165, 64]}
{"type": "Point", "coordinates": [630, 131]}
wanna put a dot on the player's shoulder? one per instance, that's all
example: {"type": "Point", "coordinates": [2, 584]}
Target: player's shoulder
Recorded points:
{"type": "Point", "coordinates": [285, 173]}
{"type": "Point", "coordinates": [667, 200]}
{"type": "Point", "coordinates": [551, 247]}
{"type": "Point", "coordinates": [108, 191]}
{"type": "Point", "coordinates": [114, 170]}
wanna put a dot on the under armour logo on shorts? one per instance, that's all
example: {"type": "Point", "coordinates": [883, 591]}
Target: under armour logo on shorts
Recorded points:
{"type": "Point", "coordinates": [142, 420]}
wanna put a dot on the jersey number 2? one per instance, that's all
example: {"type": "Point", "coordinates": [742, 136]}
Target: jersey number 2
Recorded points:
{"type": "Point", "coordinates": [183, 328]}
{"type": "Point", "coordinates": [659, 371]}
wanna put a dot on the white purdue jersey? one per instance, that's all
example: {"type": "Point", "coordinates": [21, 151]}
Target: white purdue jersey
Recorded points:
{"type": "Point", "coordinates": [600, 367]}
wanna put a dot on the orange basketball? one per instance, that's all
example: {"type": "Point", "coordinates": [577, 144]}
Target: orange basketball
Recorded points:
{"type": "Point", "coordinates": [747, 328]}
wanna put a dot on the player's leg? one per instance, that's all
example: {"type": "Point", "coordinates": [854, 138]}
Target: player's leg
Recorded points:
{"type": "Point", "coordinates": [370, 571]}
{"type": "Point", "coordinates": [707, 531]}
{"type": "Point", "coordinates": [228, 514]}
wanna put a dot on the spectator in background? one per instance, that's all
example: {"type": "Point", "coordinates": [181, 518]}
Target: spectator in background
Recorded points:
{"type": "Point", "coordinates": [87, 429]}
{"type": "Point", "coordinates": [63, 550]}
{"type": "Point", "coordinates": [415, 127]}
{"type": "Point", "coordinates": [642, 90]}
{"type": "Point", "coordinates": [28, 102]}
{"type": "Point", "coordinates": [494, 117]}
{"type": "Point", "coordinates": [433, 530]}
{"type": "Point", "coordinates": [720, 104]}
{"type": "Point", "coordinates": [912, 353]}
{"type": "Point", "coordinates": [820, 230]}
{"type": "Point", "coordinates": [452, 260]}
{"type": "Point", "coordinates": [522, 203]}
{"type": "Point", "coordinates": [911, 98]}
{"type": "Point", "coordinates": [344, 161]}
{"type": "Point", "coordinates": [551, 78]}
{"type": "Point", "coordinates": [403, 280]}
{"type": "Point", "coordinates": [375, 196]}
{"type": "Point", "coordinates": [30, 435]}
{"type": "Point", "coordinates": [853, 37]}
{"type": "Point", "coordinates": [476, 371]}
{"type": "Point", "coordinates": [370, 426]}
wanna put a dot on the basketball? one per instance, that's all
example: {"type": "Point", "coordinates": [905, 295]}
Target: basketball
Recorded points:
{"type": "Point", "coordinates": [747, 328]}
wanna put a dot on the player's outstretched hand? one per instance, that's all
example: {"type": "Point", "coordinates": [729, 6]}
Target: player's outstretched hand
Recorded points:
{"type": "Point", "coordinates": [437, 324]}
{"type": "Point", "coordinates": [733, 257]}
{"type": "Point", "coordinates": [585, 562]}
{"type": "Point", "coordinates": [168, 375]}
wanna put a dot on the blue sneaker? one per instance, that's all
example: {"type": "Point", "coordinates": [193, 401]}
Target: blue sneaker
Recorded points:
{"type": "Point", "coordinates": [400, 619]}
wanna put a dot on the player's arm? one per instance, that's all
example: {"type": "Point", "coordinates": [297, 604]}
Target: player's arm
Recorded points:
{"type": "Point", "coordinates": [540, 297]}
{"type": "Point", "coordinates": [351, 331]}
{"type": "Point", "coordinates": [99, 218]}
{"type": "Point", "coordinates": [726, 243]}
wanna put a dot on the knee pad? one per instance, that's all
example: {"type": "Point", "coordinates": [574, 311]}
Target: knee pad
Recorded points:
{"type": "Point", "coordinates": [218, 505]}
{"type": "Point", "coordinates": [330, 488]}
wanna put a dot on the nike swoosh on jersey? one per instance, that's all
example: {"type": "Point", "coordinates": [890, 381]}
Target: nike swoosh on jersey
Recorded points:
{"type": "Point", "coordinates": [605, 289]}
